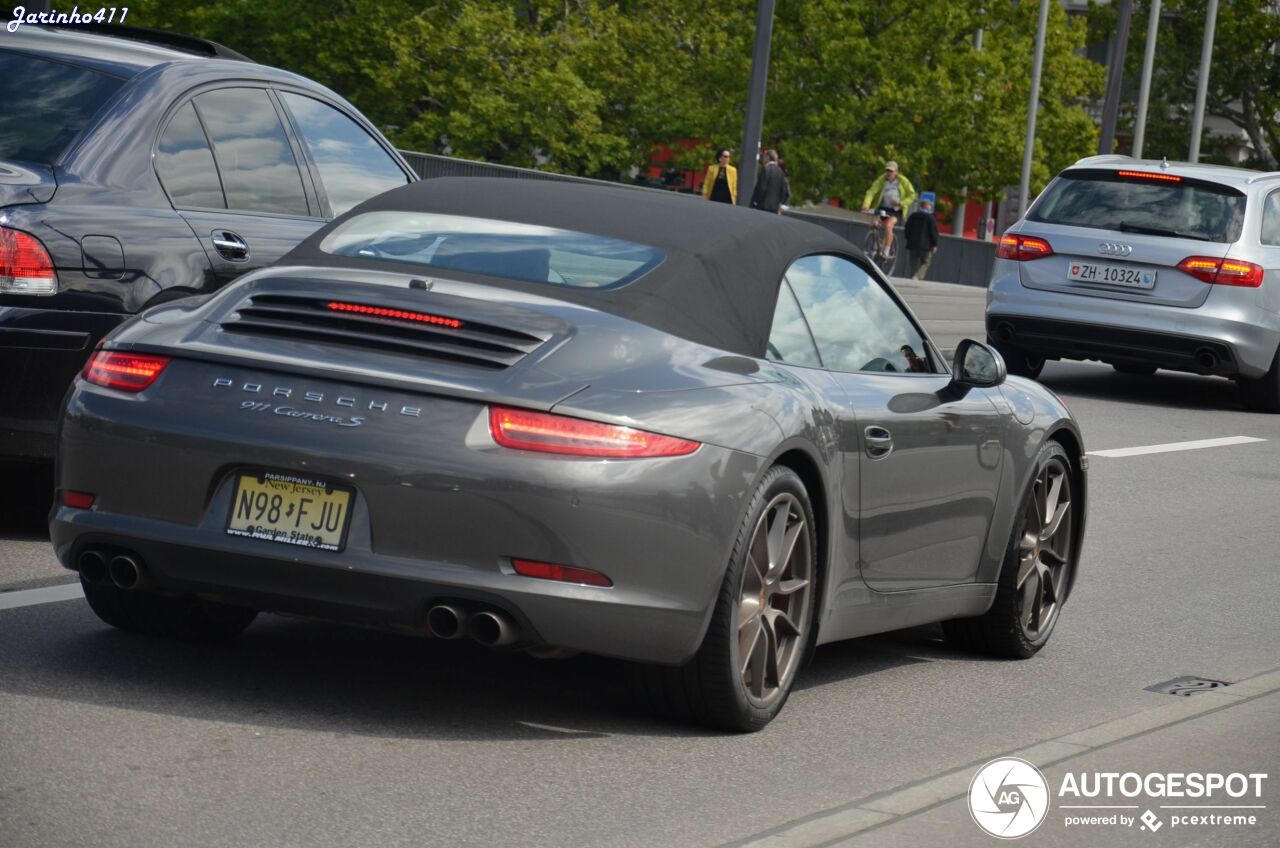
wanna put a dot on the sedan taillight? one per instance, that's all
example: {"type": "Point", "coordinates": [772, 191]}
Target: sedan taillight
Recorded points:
{"type": "Point", "coordinates": [1222, 272]}
{"type": "Point", "coordinates": [541, 431]}
{"type": "Point", "coordinates": [1023, 248]}
{"type": "Point", "coordinates": [127, 372]}
{"type": "Point", "coordinates": [25, 266]}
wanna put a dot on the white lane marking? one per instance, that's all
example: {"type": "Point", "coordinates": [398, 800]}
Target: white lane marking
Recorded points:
{"type": "Point", "coordinates": [1177, 446]}
{"type": "Point", "coordinates": [47, 595]}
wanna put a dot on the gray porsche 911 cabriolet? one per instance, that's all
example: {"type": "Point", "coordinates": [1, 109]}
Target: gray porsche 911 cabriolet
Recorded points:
{"type": "Point", "coordinates": [571, 418]}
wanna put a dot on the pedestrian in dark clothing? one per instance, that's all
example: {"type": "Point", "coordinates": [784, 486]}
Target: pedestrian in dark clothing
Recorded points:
{"type": "Point", "coordinates": [922, 239]}
{"type": "Point", "coordinates": [772, 190]}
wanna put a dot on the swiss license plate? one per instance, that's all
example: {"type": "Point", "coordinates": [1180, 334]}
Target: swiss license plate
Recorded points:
{"type": "Point", "coordinates": [1114, 275]}
{"type": "Point", "coordinates": [292, 509]}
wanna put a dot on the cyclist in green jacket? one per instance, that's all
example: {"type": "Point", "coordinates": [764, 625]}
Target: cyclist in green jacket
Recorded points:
{"type": "Point", "coordinates": [892, 193]}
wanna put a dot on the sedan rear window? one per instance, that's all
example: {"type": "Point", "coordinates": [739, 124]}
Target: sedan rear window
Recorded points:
{"type": "Point", "coordinates": [1158, 204]}
{"type": "Point", "coordinates": [505, 249]}
{"type": "Point", "coordinates": [46, 105]}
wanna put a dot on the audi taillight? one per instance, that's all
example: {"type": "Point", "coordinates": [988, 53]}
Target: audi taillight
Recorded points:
{"type": "Point", "coordinates": [128, 372]}
{"type": "Point", "coordinates": [25, 266]}
{"type": "Point", "coordinates": [562, 573]}
{"type": "Point", "coordinates": [541, 431]}
{"type": "Point", "coordinates": [1223, 272]}
{"type": "Point", "coordinates": [1023, 248]}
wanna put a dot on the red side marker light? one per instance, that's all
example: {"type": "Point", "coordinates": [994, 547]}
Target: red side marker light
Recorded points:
{"type": "Point", "coordinates": [541, 431]}
{"type": "Point", "coordinates": [395, 314]}
{"type": "Point", "coordinates": [1223, 272]}
{"type": "Point", "coordinates": [128, 372]}
{"type": "Point", "coordinates": [563, 573]}
{"type": "Point", "coordinates": [77, 500]}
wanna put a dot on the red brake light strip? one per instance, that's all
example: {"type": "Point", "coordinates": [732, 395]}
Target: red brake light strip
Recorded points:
{"type": "Point", "coordinates": [1147, 175]}
{"type": "Point", "coordinates": [396, 314]}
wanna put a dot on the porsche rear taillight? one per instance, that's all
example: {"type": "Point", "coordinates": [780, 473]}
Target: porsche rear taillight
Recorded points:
{"type": "Point", "coordinates": [523, 429]}
{"type": "Point", "coordinates": [1023, 248]}
{"type": "Point", "coordinates": [25, 266]}
{"type": "Point", "coordinates": [1223, 272]}
{"type": "Point", "coordinates": [127, 372]}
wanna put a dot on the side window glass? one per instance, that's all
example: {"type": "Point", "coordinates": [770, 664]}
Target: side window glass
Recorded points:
{"type": "Point", "coordinates": [856, 324]}
{"type": "Point", "coordinates": [1271, 220]}
{"type": "Point", "coordinates": [185, 163]}
{"type": "Point", "coordinates": [789, 340]}
{"type": "Point", "coordinates": [259, 172]}
{"type": "Point", "coordinates": [353, 167]}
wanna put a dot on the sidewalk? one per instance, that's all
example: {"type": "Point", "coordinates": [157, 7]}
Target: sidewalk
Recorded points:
{"type": "Point", "coordinates": [949, 312]}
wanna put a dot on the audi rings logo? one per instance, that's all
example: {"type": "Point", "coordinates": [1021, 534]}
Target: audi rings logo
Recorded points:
{"type": "Point", "coordinates": [1112, 248]}
{"type": "Point", "coordinates": [1008, 798]}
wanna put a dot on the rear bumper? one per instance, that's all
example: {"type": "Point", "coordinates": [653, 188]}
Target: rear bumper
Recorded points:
{"type": "Point", "coordinates": [41, 351]}
{"type": "Point", "coordinates": [1223, 336]}
{"type": "Point", "coordinates": [438, 514]}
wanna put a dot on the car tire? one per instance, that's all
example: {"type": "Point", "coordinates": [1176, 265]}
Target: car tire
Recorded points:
{"type": "Point", "coordinates": [1134, 369]}
{"type": "Point", "coordinates": [1036, 573]}
{"type": "Point", "coordinates": [765, 613]}
{"type": "Point", "coordinates": [1018, 361]}
{"type": "Point", "coordinates": [150, 614]}
{"type": "Point", "coordinates": [1263, 393]}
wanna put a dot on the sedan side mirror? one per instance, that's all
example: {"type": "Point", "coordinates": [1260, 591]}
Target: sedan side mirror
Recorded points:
{"type": "Point", "coordinates": [977, 365]}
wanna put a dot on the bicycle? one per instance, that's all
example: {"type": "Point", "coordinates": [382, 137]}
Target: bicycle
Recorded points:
{"type": "Point", "coordinates": [873, 244]}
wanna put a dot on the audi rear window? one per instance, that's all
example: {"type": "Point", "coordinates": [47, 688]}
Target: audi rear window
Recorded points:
{"type": "Point", "coordinates": [46, 105]}
{"type": "Point", "coordinates": [504, 249]}
{"type": "Point", "coordinates": [1142, 201]}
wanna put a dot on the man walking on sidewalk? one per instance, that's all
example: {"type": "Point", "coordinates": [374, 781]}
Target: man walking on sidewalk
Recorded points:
{"type": "Point", "coordinates": [772, 190]}
{"type": "Point", "coordinates": [922, 239]}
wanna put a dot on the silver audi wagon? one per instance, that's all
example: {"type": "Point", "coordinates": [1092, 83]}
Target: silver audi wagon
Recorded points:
{"type": "Point", "coordinates": [1145, 265]}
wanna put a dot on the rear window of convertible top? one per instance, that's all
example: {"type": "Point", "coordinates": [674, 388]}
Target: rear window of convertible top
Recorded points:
{"type": "Point", "coordinates": [505, 249]}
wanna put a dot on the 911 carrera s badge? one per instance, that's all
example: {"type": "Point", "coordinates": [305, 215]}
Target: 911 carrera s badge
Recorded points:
{"type": "Point", "coordinates": [292, 412]}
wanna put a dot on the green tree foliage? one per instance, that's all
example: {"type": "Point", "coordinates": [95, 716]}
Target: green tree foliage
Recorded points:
{"type": "Point", "coordinates": [591, 86]}
{"type": "Point", "coordinates": [1244, 76]}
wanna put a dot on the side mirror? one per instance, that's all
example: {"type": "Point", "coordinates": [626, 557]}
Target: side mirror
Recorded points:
{"type": "Point", "coordinates": [977, 366]}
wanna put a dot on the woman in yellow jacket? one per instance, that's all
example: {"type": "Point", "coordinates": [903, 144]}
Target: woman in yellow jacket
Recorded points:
{"type": "Point", "coordinates": [721, 182]}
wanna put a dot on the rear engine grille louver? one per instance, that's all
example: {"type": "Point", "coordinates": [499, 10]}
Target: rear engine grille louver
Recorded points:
{"type": "Point", "coordinates": [369, 326]}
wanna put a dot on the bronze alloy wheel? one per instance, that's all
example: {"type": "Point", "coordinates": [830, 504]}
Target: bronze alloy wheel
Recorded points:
{"type": "Point", "coordinates": [773, 604]}
{"type": "Point", "coordinates": [1044, 551]}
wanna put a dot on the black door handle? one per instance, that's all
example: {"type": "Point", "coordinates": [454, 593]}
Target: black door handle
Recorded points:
{"type": "Point", "coordinates": [877, 441]}
{"type": "Point", "coordinates": [230, 245]}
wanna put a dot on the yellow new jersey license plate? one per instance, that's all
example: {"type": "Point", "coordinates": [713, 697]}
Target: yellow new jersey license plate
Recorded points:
{"type": "Point", "coordinates": [291, 509]}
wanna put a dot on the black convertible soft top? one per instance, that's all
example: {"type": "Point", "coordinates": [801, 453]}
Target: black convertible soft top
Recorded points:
{"type": "Point", "coordinates": [717, 286]}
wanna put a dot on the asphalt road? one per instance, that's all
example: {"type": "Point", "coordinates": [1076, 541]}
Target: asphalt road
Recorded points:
{"type": "Point", "coordinates": [308, 734]}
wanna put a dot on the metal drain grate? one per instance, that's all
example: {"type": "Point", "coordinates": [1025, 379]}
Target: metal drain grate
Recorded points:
{"type": "Point", "coordinates": [1187, 686]}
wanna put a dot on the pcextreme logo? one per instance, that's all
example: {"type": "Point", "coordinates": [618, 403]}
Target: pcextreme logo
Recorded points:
{"type": "Point", "coordinates": [1008, 798]}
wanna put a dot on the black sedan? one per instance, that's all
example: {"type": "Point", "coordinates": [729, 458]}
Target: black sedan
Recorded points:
{"type": "Point", "coordinates": [137, 167]}
{"type": "Point", "coordinates": [571, 418]}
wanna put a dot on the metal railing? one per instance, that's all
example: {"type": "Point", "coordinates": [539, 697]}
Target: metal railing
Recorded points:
{"type": "Point", "coordinates": [959, 260]}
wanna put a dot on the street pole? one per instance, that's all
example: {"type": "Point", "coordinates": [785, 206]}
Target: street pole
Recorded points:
{"type": "Point", "coordinates": [957, 217]}
{"type": "Point", "coordinates": [755, 103]}
{"type": "Point", "coordinates": [1202, 87]}
{"type": "Point", "coordinates": [1111, 106]}
{"type": "Point", "coordinates": [1028, 147]}
{"type": "Point", "coordinates": [1144, 91]}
